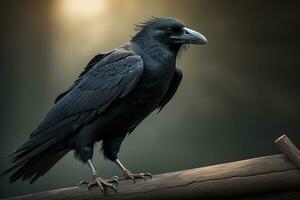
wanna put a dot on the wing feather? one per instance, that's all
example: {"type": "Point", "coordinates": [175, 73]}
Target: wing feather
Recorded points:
{"type": "Point", "coordinates": [94, 93]}
{"type": "Point", "coordinates": [112, 77]}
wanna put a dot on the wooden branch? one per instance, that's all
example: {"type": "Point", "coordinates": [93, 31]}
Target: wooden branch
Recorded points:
{"type": "Point", "coordinates": [267, 178]}
{"type": "Point", "coordinates": [251, 179]}
{"type": "Point", "coordinates": [289, 149]}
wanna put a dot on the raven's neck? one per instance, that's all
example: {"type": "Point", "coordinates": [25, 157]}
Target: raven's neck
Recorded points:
{"type": "Point", "coordinates": [156, 50]}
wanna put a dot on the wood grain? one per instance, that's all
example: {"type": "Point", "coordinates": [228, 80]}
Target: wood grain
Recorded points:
{"type": "Point", "coordinates": [247, 179]}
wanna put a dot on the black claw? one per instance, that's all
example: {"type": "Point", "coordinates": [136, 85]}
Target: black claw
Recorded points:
{"type": "Point", "coordinates": [115, 188]}
{"type": "Point", "coordinates": [149, 175]}
{"type": "Point", "coordinates": [114, 181]}
{"type": "Point", "coordinates": [83, 183]}
{"type": "Point", "coordinates": [105, 192]}
{"type": "Point", "coordinates": [133, 180]}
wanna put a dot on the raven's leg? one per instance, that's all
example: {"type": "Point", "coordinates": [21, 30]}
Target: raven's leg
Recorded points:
{"type": "Point", "coordinates": [98, 181]}
{"type": "Point", "coordinates": [85, 154]}
{"type": "Point", "coordinates": [111, 147]}
{"type": "Point", "coordinates": [129, 175]}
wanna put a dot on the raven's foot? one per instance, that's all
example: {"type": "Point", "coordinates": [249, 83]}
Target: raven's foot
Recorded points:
{"type": "Point", "coordinates": [133, 177]}
{"type": "Point", "coordinates": [104, 185]}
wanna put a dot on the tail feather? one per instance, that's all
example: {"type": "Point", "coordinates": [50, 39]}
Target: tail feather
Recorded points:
{"type": "Point", "coordinates": [37, 166]}
{"type": "Point", "coordinates": [37, 155]}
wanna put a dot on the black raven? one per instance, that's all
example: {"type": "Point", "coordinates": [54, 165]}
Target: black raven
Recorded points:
{"type": "Point", "coordinates": [115, 92]}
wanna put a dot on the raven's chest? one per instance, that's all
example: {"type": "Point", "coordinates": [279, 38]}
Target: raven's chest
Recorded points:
{"type": "Point", "coordinates": [142, 100]}
{"type": "Point", "coordinates": [159, 68]}
{"type": "Point", "coordinates": [153, 85]}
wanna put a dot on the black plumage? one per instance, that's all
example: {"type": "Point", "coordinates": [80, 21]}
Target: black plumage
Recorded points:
{"type": "Point", "coordinates": [113, 94]}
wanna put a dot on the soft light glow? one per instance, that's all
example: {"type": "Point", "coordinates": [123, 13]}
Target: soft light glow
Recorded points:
{"type": "Point", "coordinates": [79, 30]}
{"type": "Point", "coordinates": [83, 8]}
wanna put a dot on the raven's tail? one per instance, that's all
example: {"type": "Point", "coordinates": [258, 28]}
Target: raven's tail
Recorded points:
{"type": "Point", "coordinates": [34, 167]}
{"type": "Point", "coordinates": [40, 152]}
{"type": "Point", "coordinates": [44, 148]}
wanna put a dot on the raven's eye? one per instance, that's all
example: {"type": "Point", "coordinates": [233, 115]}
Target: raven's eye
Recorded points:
{"type": "Point", "coordinates": [174, 30]}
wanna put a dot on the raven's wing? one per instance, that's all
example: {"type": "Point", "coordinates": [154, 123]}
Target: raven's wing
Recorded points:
{"type": "Point", "coordinates": [91, 64]}
{"type": "Point", "coordinates": [113, 77]}
{"type": "Point", "coordinates": [172, 89]}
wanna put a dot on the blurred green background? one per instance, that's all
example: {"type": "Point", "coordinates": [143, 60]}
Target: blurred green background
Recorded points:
{"type": "Point", "coordinates": [239, 93]}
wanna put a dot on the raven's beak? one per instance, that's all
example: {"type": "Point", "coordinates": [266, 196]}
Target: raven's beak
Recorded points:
{"type": "Point", "coordinates": [190, 36]}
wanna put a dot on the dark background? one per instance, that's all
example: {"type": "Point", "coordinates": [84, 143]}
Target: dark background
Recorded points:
{"type": "Point", "coordinates": [239, 93]}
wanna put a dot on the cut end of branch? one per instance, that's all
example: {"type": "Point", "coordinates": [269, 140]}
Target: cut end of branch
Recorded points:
{"type": "Point", "coordinates": [288, 148]}
{"type": "Point", "coordinates": [280, 138]}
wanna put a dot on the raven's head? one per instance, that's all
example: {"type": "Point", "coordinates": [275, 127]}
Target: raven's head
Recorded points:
{"type": "Point", "coordinates": [168, 32]}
